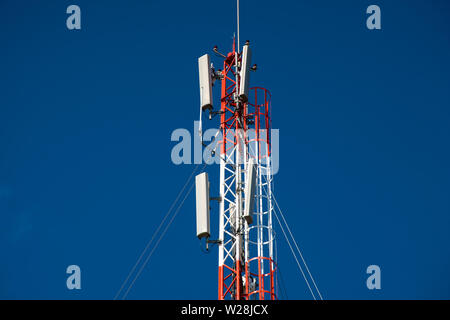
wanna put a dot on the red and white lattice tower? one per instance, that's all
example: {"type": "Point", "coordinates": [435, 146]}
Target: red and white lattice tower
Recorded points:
{"type": "Point", "coordinates": [247, 267]}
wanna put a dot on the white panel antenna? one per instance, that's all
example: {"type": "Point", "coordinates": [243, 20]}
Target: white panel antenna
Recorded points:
{"type": "Point", "coordinates": [245, 72]}
{"type": "Point", "coordinates": [202, 202]}
{"type": "Point", "coordinates": [250, 187]}
{"type": "Point", "coordinates": [205, 79]}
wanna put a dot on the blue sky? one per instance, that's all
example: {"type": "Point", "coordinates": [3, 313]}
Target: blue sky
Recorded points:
{"type": "Point", "coordinates": [86, 118]}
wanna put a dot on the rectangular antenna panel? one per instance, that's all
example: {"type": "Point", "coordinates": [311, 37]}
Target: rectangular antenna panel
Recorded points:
{"type": "Point", "coordinates": [205, 78]}
{"type": "Point", "coordinates": [245, 73]}
{"type": "Point", "coordinates": [202, 204]}
{"type": "Point", "coordinates": [250, 187]}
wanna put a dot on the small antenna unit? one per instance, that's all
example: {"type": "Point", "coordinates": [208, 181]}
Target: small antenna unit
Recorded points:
{"type": "Point", "coordinates": [205, 79]}
{"type": "Point", "coordinates": [202, 202]}
{"type": "Point", "coordinates": [250, 186]}
{"type": "Point", "coordinates": [245, 72]}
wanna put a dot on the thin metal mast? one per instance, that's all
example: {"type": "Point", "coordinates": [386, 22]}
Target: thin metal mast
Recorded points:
{"type": "Point", "coordinates": [238, 43]}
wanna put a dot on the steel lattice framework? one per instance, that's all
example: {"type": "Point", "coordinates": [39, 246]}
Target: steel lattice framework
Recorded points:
{"type": "Point", "coordinates": [247, 269]}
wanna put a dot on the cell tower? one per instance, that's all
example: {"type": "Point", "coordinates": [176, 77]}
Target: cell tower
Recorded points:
{"type": "Point", "coordinates": [247, 266]}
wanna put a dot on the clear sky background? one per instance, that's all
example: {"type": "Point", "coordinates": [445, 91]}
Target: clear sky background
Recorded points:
{"type": "Point", "coordinates": [86, 118]}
